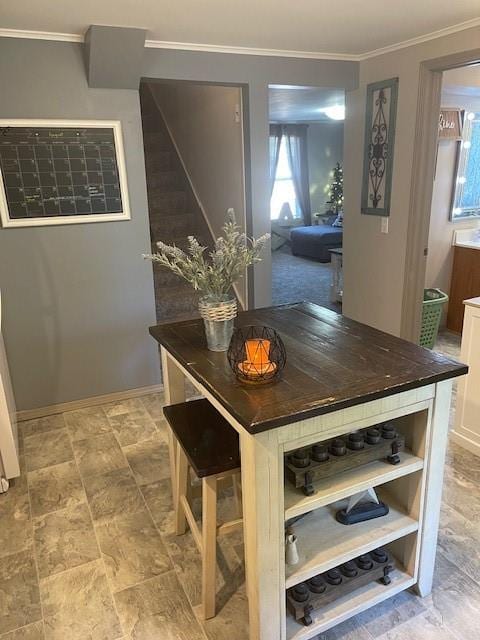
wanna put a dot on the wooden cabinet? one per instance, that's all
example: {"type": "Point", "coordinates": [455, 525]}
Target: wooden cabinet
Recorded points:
{"type": "Point", "coordinates": [465, 284]}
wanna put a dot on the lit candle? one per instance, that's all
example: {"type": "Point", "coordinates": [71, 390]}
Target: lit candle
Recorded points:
{"type": "Point", "coordinates": [258, 358]}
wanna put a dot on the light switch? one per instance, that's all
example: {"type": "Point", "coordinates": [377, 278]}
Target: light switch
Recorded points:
{"type": "Point", "coordinates": [384, 228]}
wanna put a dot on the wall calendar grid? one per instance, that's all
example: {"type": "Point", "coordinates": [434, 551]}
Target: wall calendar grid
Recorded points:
{"type": "Point", "coordinates": [60, 173]}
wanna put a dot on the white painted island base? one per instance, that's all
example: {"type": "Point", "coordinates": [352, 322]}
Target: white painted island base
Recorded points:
{"type": "Point", "coordinates": [412, 489]}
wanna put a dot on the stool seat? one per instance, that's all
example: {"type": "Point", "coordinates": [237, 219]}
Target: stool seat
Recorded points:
{"type": "Point", "coordinates": [209, 442]}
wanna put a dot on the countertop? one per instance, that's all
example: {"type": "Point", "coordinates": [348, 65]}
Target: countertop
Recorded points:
{"type": "Point", "coordinates": [467, 238]}
{"type": "Point", "coordinates": [332, 363]}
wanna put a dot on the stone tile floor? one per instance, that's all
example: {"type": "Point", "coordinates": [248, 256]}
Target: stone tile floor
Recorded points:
{"type": "Point", "coordinates": [87, 549]}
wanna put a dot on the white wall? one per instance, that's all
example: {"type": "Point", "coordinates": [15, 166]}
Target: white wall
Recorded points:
{"type": "Point", "coordinates": [374, 263]}
{"type": "Point", "coordinates": [440, 249]}
{"type": "Point", "coordinates": [325, 149]}
{"type": "Point", "coordinates": [201, 119]}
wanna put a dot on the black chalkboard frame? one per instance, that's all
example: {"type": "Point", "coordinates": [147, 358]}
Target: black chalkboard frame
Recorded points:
{"type": "Point", "coordinates": [7, 221]}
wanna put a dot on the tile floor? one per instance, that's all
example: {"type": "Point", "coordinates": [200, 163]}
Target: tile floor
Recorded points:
{"type": "Point", "coordinates": [87, 549]}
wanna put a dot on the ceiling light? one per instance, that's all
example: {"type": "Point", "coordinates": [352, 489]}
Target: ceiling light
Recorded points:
{"type": "Point", "coordinates": [337, 112]}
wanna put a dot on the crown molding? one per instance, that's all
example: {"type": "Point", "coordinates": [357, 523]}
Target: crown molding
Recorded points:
{"type": "Point", "coordinates": [41, 35]}
{"type": "Point", "coordinates": [251, 51]}
{"type": "Point", "coordinates": [475, 22]}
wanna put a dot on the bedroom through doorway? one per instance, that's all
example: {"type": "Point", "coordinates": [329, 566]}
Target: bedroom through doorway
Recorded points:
{"type": "Point", "coordinates": [306, 187]}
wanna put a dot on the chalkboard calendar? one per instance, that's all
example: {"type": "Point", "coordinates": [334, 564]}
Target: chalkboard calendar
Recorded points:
{"type": "Point", "coordinates": [61, 172]}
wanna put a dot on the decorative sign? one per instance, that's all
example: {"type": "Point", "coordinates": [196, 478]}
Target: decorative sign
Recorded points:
{"type": "Point", "coordinates": [450, 124]}
{"type": "Point", "coordinates": [379, 140]}
{"type": "Point", "coordinates": [61, 172]}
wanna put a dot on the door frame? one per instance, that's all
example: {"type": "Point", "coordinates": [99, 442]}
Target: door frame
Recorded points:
{"type": "Point", "coordinates": [423, 171]}
{"type": "Point", "coordinates": [246, 221]}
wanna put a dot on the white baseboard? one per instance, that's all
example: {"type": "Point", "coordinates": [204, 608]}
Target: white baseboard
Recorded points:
{"type": "Point", "coordinates": [466, 443]}
{"type": "Point", "coordinates": [41, 412]}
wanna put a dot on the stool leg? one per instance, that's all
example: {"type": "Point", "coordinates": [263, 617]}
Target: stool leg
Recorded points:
{"type": "Point", "coordinates": [181, 482]}
{"type": "Point", "coordinates": [209, 541]}
{"type": "Point", "coordinates": [237, 493]}
{"type": "Point", "coordinates": [172, 453]}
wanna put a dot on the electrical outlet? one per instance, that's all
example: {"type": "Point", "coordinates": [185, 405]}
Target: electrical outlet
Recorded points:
{"type": "Point", "coordinates": [384, 227]}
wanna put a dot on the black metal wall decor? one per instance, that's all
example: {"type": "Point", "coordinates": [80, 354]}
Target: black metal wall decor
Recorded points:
{"type": "Point", "coordinates": [256, 354]}
{"type": "Point", "coordinates": [380, 118]}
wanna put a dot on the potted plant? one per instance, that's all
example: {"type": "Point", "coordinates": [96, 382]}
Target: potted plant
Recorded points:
{"type": "Point", "coordinates": [214, 276]}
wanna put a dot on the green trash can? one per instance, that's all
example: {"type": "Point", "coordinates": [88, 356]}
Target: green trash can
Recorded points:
{"type": "Point", "coordinates": [433, 301]}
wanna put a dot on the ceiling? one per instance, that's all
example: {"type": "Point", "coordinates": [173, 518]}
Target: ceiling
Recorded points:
{"type": "Point", "coordinates": [302, 104]}
{"type": "Point", "coordinates": [350, 28]}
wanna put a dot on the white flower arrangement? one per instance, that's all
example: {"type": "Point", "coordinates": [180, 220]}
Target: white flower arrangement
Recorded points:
{"type": "Point", "coordinates": [215, 275]}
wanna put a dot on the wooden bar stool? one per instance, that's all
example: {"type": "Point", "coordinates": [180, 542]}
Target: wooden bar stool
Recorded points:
{"type": "Point", "coordinates": [210, 447]}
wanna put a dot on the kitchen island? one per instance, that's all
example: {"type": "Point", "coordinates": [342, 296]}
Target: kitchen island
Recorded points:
{"type": "Point", "coordinates": [340, 376]}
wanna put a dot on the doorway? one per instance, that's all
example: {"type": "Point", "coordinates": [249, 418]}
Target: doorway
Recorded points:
{"type": "Point", "coordinates": [451, 264]}
{"type": "Point", "coordinates": [306, 193]}
{"type": "Point", "coordinates": [423, 173]}
{"type": "Point", "coordinates": [194, 159]}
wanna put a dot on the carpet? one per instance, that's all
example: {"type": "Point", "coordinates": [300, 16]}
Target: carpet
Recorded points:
{"type": "Point", "coordinates": [295, 279]}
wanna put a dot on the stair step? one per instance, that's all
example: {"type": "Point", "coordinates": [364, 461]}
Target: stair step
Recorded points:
{"type": "Point", "coordinates": [180, 317]}
{"type": "Point", "coordinates": [156, 141]}
{"type": "Point", "coordinates": [163, 278]}
{"type": "Point", "coordinates": [159, 161]}
{"type": "Point", "coordinates": [175, 301]}
{"type": "Point", "coordinates": [162, 181]}
{"type": "Point", "coordinates": [174, 226]}
{"type": "Point", "coordinates": [152, 120]}
{"type": "Point", "coordinates": [167, 203]}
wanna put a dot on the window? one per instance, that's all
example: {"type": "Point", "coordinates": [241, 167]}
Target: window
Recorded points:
{"type": "Point", "coordinates": [466, 201]}
{"type": "Point", "coordinates": [283, 189]}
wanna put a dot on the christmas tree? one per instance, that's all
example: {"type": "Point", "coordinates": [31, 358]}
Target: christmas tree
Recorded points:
{"type": "Point", "coordinates": [335, 192]}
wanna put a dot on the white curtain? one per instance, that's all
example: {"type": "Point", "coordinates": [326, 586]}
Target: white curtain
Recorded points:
{"type": "Point", "coordinates": [296, 136]}
{"type": "Point", "coordinates": [275, 142]}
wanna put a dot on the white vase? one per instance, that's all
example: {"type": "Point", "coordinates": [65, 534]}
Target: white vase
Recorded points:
{"type": "Point", "coordinates": [291, 551]}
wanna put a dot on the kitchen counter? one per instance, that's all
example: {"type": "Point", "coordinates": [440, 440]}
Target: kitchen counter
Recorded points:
{"type": "Point", "coordinates": [333, 363]}
{"type": "Point", "coordinates": [468, 238]}
{"type": "Point", "coordinates": [340, 376]}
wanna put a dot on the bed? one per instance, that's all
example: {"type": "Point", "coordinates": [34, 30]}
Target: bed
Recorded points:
{"type": "Point", "coordinates": [315, 241]}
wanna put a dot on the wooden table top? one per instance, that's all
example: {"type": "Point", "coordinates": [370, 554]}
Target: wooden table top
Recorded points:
{"type": "Point", "coordinates": [332, 363]}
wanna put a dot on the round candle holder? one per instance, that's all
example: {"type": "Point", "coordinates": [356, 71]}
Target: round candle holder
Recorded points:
{"type": "Point", "coordinates": [256, 354]}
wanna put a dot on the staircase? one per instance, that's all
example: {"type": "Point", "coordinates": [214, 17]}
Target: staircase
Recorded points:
{"type": "Point", "coordinates": [174, 213]}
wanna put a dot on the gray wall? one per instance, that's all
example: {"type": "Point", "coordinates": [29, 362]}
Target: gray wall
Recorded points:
{"type": "Point", "coordinates": [374, 263]}
{"type": "Point", "coordinates": [325, 149]}
{"type": "Point", "coordinates": [78, 299]}
{"type": "Point", "coordinates": [255, 73]}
